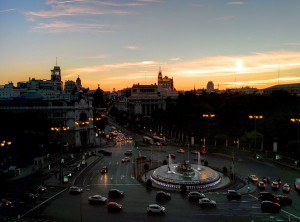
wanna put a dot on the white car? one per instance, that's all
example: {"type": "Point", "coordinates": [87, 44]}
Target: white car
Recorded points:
{"type": "Point", "coordinates": [205, 202]}
{"type": "Point", "coordinates": [75, 190]}
{"type": "Point", "coordinates": [97, 199]}
{"type": "Point", "coordinates": [125, 159]}
{"type": "Point", "coordinates": [253, 178]}
{"type": "Point", "coordinates": [155, 208]}
{"type": "Point", "coordinates": [195, 195]}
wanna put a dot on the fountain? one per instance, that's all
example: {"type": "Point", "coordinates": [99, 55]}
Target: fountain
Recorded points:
{"type": "Point", "coordinates": [193, 176]}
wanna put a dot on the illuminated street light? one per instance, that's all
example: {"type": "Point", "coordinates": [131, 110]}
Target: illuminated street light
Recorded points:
{"type": "Point", "coordinates": [208, 116]}
{"type": "Point", "coordinates": [255, 118]}
{"type": "Point", "coordinates": [59, 129]}
{"type": "Point", "coordinates": [296, 120]}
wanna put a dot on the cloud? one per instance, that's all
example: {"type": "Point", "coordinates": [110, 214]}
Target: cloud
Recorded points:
{"type": "Point", "coordinates": [175, 59]}
{"type": "Point", "coordinates": [131, 47]}
{"type": "Point", "coordinates": [61, 26]}
{"type": "Point", "coordinates": [293, 43]}
{"type": "Point", "coordinates": [235, 3]}
{"type": "Point", "coordinates": [8, 10]}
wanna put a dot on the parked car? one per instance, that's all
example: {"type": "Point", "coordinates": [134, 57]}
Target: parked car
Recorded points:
{"type": "Point", "coordinates": [104, 170]}
{"type": "Point", "coordinates": [297, 184]}
{"type": "Point", "coordinates": [253, 178]}
{"type": "Point", "coordinates": [125, 159]}
{"type": "Point", "coordinates": [97, 199]}
{"type": "Point", "coordinates": [195, 151]}
{"type": "Point", "coordinates": [266, 196]}
{"type": "Point", "coordinates": [195, 195]}
{"type": "Point", "coordinates": [233, 195]}
{"type": "Point", "coordinates": [283, 200]}
{"type": "Point", "coordinates": [205, 202]}
{"type": "Point", "coordinates": [275, 185]}
{"type": "Point", "coordinates": [269, 206]}
{"type": "Point", "coordinates": [115, 193]}
{"type": "Point", "coordinates": [156, 209]}
{"type": "Point", "coordinates": [162, 195]}
{"type": "Point", "coordinates": [261, 185]}
{"type": "Point", "coordinates": [286, 188]}
{"type": "Point", "coordinates": [114, 207]}
{"type": "Point", "coordinates": [75, 190]}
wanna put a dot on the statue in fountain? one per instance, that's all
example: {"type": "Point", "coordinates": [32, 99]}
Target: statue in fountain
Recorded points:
{"type": "Point", "coordinates": [185, 169]}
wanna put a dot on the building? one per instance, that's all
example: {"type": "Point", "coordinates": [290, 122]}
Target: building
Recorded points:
{"type": "Point", "coordinates": [210, 87]}
{"type": "Point", "coordinates": [76, 116]}
{"type": "Point", "coordinates": [7, 91]}
{"type": "Point", "coordinates": [293, 88]}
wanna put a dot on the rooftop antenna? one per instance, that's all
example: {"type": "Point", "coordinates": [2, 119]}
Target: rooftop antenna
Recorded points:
{"type": "Point", "coordinates": [56, 60]}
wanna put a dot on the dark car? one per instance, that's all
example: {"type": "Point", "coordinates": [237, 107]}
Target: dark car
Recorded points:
{"type": "Point", "coordinates": [5, 204]}
{"type": "Point", "coordinates": [30, 197]}
{"type": "Point", "coordinates": [195, 195]}
{"type": "Point", "coordinates": [101, 151]}
{"type": "Point", "coordinates": [269, 206]}
{"type": "Point", "coordinates": [115, 193]}
{"type": "Point", "coordinates": [114, 207]}
{"type": "Point", "coordinates": [107, 153]}
{"type": "Point", "coordinates": [283, 200]}
{"type": "Point", "coordinates": [233, 195]}
{"type": "Point", "coordinates": [266, 196]}
{"type": "Point", "coordinates": [41, 189]}
{"type": "Point", "coordinates": [104, 170]}
{"type": "Point", "coordinates": [162, 195]}
{"type": "Point", "coordinates": [261, 185]}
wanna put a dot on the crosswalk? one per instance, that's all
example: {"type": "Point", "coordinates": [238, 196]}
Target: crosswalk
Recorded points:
{"type": "Point", "coordinates": [16, 219]}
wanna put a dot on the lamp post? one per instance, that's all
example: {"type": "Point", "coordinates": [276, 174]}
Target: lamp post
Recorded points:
{"type": "Point", "coordinates": [58, 130]}
{"type": "Point", "coordinates": [297, 120]}
{"type": "Point", "coordinates": [209, 116]}
{"type": "Point", "coordinates": [255, 117]}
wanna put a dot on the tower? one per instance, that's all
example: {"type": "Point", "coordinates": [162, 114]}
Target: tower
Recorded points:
{"type": "Point", "coordinates": [159, 75]}
{"type": "Point", "coordinates": [78, 83]}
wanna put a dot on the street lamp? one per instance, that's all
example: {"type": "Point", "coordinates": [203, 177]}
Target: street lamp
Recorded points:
{"type": "Point", "coordinates": [296, 120]}
{"type": "Point", "coordinates": [208, 116]}
{"type": "Point", "coordinates": [255, 117]}
{"type": "Point", "coordinates": [58, 130]}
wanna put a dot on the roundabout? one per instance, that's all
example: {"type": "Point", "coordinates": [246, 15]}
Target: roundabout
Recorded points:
{"type": "Point", "coordinates": [175, 176]}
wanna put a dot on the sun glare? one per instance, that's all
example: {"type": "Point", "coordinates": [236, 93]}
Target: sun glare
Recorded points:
{"type": "Point", "coordinates": [239, 65]}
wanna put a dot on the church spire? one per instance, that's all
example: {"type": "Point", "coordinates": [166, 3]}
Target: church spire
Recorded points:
{"type": "Point", "coordinates": [159, 74]}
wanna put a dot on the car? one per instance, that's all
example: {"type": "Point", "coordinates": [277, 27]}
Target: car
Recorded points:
{"type": "Point", "coordinates": [75, 190]}
{"type": "Point", "coordinates": [253, 178]}
{"type": "Point", "coordinates": [107, 153]}
{"type": "Point", "coordinates": [233, 195]}
{"type": "Point", "coordinates": [30, 197]}
{"type": "Point", "coordinates": [297, 184]}
{"type": "Point", "coordinates": [195, 195]}
{"type": "Point", "coordinates": [97, 199]}
{"type": "Point", "coordinates": [286, 188]}
{"type": "Point", "coordinates": [206, 202]}
{"type": "Point", "coordinates": [101, 151]}
{"type": "Point", "coordinates": [5, 204]}
{"type": "Point", "coordinates": [41, 189]}
{"type": "Point", "coordinates": [104, 170]}
{"type": "Point", "coordinates": [203, 152]}
{"type": "Point", "coordinates": [266, 196]}
{"type": "Point", "coordinates": [171, 155]}
{"type": "Point", "coordinates": [125, 159]}
{"type": "Point", "coordinates": [114, 207]}
{"type": "Point", "coordinates": [261, 185]}
{"type": "Point", "coordinates": [180, 151]}
{"type": "Point", "coordinates": [128, 152]}
{"type": "Point", "coordinates": [283, 200]}
{"type": "Point", "coordinates": [162, 195]}
{"type": "Point", "coordinates": [275, 185]}
{"type": "Point", "coordinates": [156, 209]}
{"type": "Point", "coordinates": [69, 174]}
{"type": "Point", "coordinates": [269, 206]}
{"type": "Point", "coordinates": [115, 193]}
{"type": "Point", "coordinates": [194, 151]}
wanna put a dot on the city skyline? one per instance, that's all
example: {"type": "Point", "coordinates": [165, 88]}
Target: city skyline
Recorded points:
{"type": "Point", "coordinates": [120, 43]}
